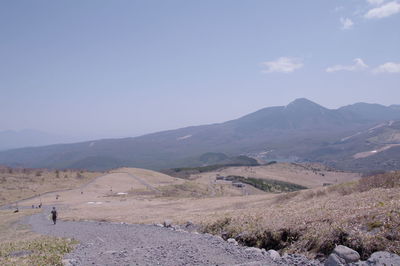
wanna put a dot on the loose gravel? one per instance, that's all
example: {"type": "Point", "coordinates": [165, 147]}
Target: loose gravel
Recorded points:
{"type": "Point", "coordinates": [104, 243]}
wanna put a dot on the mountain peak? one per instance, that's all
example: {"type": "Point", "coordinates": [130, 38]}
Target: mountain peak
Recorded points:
{"type": "Point", "coordinates": [303, 103]}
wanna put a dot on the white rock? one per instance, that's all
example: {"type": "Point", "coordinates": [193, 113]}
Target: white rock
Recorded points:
{"type": "Point", "coordinates": [254, 250]}
{"type": "Point", "coordinates": [66, 262]}
{"type": "Point", "coordinates": [273, 254]}
{"type": "Point", "coordinates": [347, 254]}
{"type": "Point", "coordinates": [232, 241]}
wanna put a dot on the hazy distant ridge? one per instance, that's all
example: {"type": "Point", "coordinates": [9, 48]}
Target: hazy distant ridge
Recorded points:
{"type": "Point", "coordinates": [302, 129]}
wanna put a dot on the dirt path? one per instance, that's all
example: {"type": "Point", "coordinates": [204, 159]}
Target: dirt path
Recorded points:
{"type": "Point", "coordinates": [129, 244]}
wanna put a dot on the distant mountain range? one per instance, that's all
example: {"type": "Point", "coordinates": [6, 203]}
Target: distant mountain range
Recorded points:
{"type": "Point", "coordinates": [11, 139]}
{"type": "Point", "coordinates": [300, 131]}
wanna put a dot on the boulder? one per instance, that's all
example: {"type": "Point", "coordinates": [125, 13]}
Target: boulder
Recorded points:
{"type": "Point", "coordinates": [254, 250]}
{"type": "Point", "coordinates": [384, 258]}
{"type": "Point", "coordinates": [334, 260]}
{"type": "Point", "coordinates": [273, 254]}
{"type": "Point", "coordinates": [347, 254]}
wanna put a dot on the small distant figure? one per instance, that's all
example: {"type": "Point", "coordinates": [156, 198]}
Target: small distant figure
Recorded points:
{"type": "Point", "coordinates": [33, 206]}
{"type": "Point", "coordinates": [40, 205]}
{"type": "Point", "coordinates": [57, 197]}
{"type": "Point", "coordinates": [54, 215]}
{"type": "Point", "coordinates": [16, 210]}
{"type": "Point", "coordinates": [81, 192]}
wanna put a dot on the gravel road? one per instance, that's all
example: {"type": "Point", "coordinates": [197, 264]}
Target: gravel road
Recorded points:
{"type": "Point", "coordinates": [104, 243]}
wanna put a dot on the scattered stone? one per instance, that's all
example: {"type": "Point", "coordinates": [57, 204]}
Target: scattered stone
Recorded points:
{"type": "Point", "coordinates": [273, 254]}
{"type": "Point", "coordinates": [69, 262]}
{"type": "Point", "coordinates": [225, 235]}
{"type": "Point", "coordinates": [167, 223]}
{"type": "Point", "coordinates": [232, 241]}
{"type": "Point", "coordinates": [347, 254]}
{"type": "Point", "coordinates": [176, 227]}
{"type": "Point", "coordinates": [189, 224]}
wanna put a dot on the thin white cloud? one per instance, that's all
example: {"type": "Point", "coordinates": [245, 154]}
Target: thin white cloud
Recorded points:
{"type": "Point", "coordinates": [358, 65]}
{"type": "Point", "coordinates": [346, 23]}
{"type": "Point", "coordinates": [383, 11]}
{"type": "Point", "coordinates": [389, 67]}
{"type": "Point", "coordinates": [283, 65]}
{"type": "Point", "coordinates": [375, 2]}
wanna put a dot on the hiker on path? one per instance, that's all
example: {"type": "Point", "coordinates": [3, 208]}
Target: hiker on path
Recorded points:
{"type": "Point", "coordinates": [54, 215]}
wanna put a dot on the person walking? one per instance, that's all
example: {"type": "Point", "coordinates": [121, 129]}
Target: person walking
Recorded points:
{"type": "Point", "coordinates": [54, 215]}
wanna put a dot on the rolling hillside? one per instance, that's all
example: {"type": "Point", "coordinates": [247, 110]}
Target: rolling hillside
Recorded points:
{"type": "Point", "coordinates": [300, 131]}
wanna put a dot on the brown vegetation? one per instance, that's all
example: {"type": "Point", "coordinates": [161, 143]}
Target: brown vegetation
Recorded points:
{"type": "Point", "coordinates": [21, 183]}
{"type": "Point", "coordinates": [363, 215]}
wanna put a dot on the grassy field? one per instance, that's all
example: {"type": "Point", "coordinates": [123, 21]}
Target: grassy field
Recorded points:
{"type": "Point", "coordinates": [17, 184]}
{"type": "Point", "coordinates": [19, 246]}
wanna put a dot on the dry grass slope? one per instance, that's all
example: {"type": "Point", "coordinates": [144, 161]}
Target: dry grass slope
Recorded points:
{"type": "Point", "coordinates": [360, 213]}
{"type": "Point", "coordinates": [308, 175]}
{"type": "Point", "coordinates": [21, 183]}
{"type": "Point", "coordinates": [364, 215]}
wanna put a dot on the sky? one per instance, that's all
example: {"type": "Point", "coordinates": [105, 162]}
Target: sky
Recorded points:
{"type": "Point", "coordinates": [97, 69]}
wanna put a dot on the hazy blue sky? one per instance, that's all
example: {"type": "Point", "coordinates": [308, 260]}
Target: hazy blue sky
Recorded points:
{"type": "Point", "coordinates": [122, 68]}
